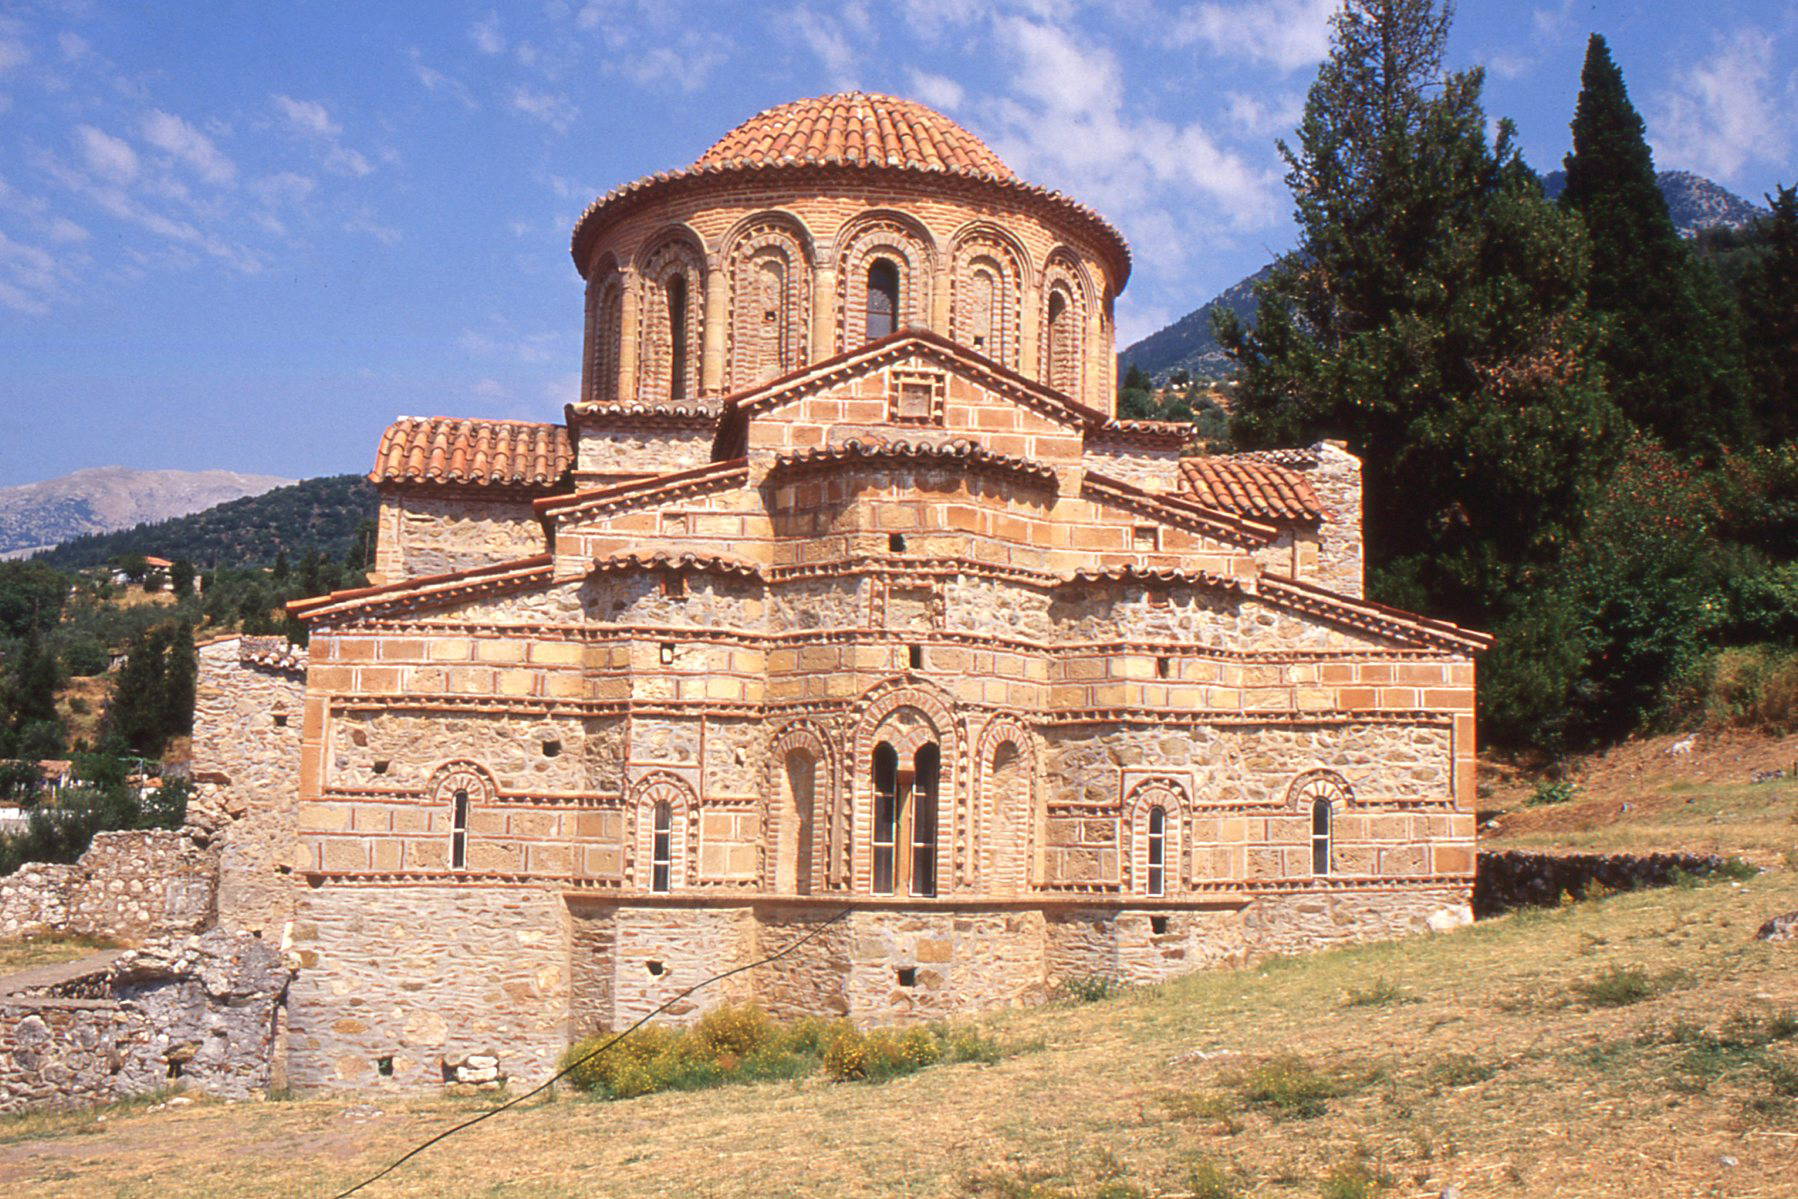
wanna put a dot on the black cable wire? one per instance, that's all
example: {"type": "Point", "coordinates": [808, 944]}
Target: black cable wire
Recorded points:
{"type": "Point", "coordinates": [575, 1065]}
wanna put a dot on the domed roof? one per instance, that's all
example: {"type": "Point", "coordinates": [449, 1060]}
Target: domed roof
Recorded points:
{"type": "Point", "coordinates": [855, 128]}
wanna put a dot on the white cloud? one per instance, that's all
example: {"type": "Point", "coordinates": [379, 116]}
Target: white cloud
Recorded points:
{"type": "Point", "coordinates": [1262, 115]}
{"type": "Point", "coordinates": [168, 132]}
{"type": "Point", "coordinates": [436, 81]}
{"type": "Point", "coordinates": [556, 111]}
{"type": "Point", "coordinates": [106, 154]}
{"type": "Point", "coordinates": [1727, 110]}
{"type": "Point", "coordinates": [283, 188]}
{"type": "Point", "coordinates": [345, 161]}
{"type": "Point", "coordinates": [30, 277]}
{"type": "Point", "coordinates": [365, 223]}
{"type": "Point", "coordinates": [687, 64]}
{"type": "Point", "coordinates": [832, 42]}
{"type": "Point", "coordinates": [72, 45]}
{"type": "Point", "coordinates": [64, 230]}
{"type": "Point", "coordinates": [486, 36]}
{"type": "Point", "coordinates": [938, 91]}
{"type": "Point", "coordinates": [1288, 34]}
{"type": "Point", "coordinates": [308, 117]}
{"type": "Point", "coordinates": [12, 45]}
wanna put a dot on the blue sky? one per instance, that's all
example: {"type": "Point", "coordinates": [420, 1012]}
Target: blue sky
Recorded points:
{"type": "Point", "coordinates": [248, 236]}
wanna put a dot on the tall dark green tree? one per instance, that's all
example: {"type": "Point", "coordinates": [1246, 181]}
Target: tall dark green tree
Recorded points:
{"type": "Point", "coordinates": [1671, 350]}
{"type": "Point", "coordinates": [1769, 302]}
{"type": "Point", "coordinates": [1433, 316]}
{"type": "Point", "coordinates": [137, 714]}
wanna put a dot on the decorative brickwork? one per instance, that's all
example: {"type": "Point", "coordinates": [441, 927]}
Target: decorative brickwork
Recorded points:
{"type": "Point", "coordinates": [857, 596]}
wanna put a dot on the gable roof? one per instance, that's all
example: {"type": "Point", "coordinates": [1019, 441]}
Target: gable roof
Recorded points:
{"type": "Point", "coordinates": [427, 590]}
{"type": "Point", "coordinates": [1172, 508]}
{"type": "Point", "coordinates": [1251, 486]}
{"type": "Point", "coordinates": [655, 489]}
{"type": "Point", "coordinates": [480, 453]}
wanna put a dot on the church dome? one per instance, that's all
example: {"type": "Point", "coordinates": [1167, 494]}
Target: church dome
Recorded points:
{"type": "Point", "coordinates": [854, 129]}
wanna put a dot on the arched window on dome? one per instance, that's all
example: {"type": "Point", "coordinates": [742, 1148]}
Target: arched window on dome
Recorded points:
{"type": "Point", "coordinates": [605, 331]}
{"type": "Point", "coordinates": [676, 294]}
{"type": "Point", "coordinates": [883, 299]}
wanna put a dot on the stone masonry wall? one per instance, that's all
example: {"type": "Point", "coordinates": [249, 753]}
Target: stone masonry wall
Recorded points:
{"type": "Point", "coordinates": [128, 886]}
{"type": "Point", "coordinates": [411, 976]}
{"type": "Point", "coordinates": [425, 534]}
{"type": "Point", "coordinates": [249, 704]}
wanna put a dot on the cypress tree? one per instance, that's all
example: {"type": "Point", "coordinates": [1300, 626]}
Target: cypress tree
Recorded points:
{"type": "Point", "coordinates": [1671, 350]}
{"type": "Point", "coordinates": [179, 672]}
{"type": "Point", "coordinates": [1769, 301]}
{"type": "Point", "coordinates": [1433, 316]}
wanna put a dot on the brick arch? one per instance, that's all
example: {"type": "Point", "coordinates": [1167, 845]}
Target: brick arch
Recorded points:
{"type": "Point", "coordinates": [676, 252]}
{"type": "Point", "coordinates": [460, 774]}
{"type": "Point", "coordinates": [1067, 298]}
{"type": "Point", "coordinates": [988, 283]}
{"type": "Point", "coordinates": [767, 261]}
{"type": "Point", "coordinates": [1318, 784]}
{"type": "Point", "coordinates": [827, 823]}
{"type": "Point", "coordinates": [1002, 854]}
{"type": "Point", "coordinates": [878, 705]}
{"type": "Point", "coordinates": [882, 233]}
{"type": "Point", "coordinates": [640, 801]}
{"type": "Point", "coordinates": [1176, 859]}
{"type": "Point", "coordinates": [605, 329]}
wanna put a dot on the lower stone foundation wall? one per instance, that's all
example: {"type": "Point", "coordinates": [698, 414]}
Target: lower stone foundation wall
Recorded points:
{"type": "Point", "coordinates": [59, 1053]}
{"type": "Point", "coordinates": [1514, 879]}
{"type": "Point", "coordinates": [397, 992]}
{"type": "Point", "coordinates": [411, 975]}
{"type": "Point", "coordinates": [128, 886]}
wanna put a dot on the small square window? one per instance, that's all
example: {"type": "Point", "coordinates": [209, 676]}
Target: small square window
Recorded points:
{"type": "Point", "coordinates": [1146, 539]}
{"type": "Point", "coordinates": [916, 397]}
{"type": "Point", "coordinates": [896, 543]}
{"type": "Point", "coordinates": [381, 765]}
{"type": "Point", "coordinates": [667, 653]}
{"type": "Point", "coordinates": [656, 969]}
{"type": "Point", "coordinates": [1158, 925]}
{"type": "Point", "coordinates": [280, 720]}
{"type": "Point", "coordinates": [674, 585]}
{"type": "Point", "coordinates": [552, 749]}
{"type": "Point", "coordinates": [915, 657]}
{"type": "Point", "coordinates": [384, 1067]}
{"type": "Point", "coordinates": [1163, 667]}
{"type": "Point", "coordinates": [908, 976]}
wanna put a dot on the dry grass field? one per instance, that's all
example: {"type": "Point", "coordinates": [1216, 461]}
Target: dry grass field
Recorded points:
{"type": "Point", "coordinates": [1638, 1044]}
{"type": "Point", "coordinates": [46, 951]}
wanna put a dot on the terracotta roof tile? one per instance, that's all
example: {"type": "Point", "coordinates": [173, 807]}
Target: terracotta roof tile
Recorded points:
{"type": "Point", "coordinates": [486, 453]}
{"type": "Point", "coordinates": [855, 127]}
{"type": "Point", "coordinates": [1252, 487]}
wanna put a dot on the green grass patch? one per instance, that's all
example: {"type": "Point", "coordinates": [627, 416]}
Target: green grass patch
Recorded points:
{"type": "Point", "coordinates": [1381, 994]}
{"type": "Point", "coordinates": [1620, 986]}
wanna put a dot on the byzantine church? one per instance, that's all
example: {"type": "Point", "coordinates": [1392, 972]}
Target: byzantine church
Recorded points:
{"type": "Point", "coordinates": [841, 596]}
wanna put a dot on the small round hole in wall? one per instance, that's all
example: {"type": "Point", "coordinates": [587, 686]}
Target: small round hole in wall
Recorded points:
{"type": "Point", "coordinates": [551, 748]}
{"type": "Point", "coordinates": [384, 1067]}
{"type": "Point", "coordinates": [655, 968]}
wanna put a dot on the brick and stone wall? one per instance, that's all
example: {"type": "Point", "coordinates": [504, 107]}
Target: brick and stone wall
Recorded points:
{"type": "Point", "coordinates": [426, 530]}
{"type": "Point", "coordinates": [128, 886]}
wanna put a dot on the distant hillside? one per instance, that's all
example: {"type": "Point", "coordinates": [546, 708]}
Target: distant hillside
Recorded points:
{"type": "Point", "coordinates": [323, 514]}
{"type": "Point", "coordinates": [1189, 343]}
{"type": "Point", "coordinates": [1693, 202]}
{"type": "Point", "coordinates": [104, 498]}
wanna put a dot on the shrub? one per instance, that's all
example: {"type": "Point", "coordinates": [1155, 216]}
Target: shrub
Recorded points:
{"type": "Point", "coordinates": [1548, 793]}
{"type": "Point", "coordinates": [1619, 986]}
{"type": "Point", "coordinates": [1379, 995]}
{"type": "Point", "coordinates": [1208, 1180]}
{"type": "Point", "coordinates": [1087, 988]}
{"type": "Point", "coordinates": [1462, 1070]}
{"type": "Point", "coordinates": [1352, 1180]}
{"type": "Point", "coordinates": [1288, 1086]}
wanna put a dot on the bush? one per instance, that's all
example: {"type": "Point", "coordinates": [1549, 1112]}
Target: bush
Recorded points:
{"type": "Point", "coordinates": [1288, 1085]}
{"type": "Point", "coordinates": [1619, 986]}
{"type": "Point", "coordinates": [741, 1043]}
{"type": "Point", "coordinates": [1087, 988]}
{"type": "Point", "coordinates": [1352, 1180]}
{"type": "Point", "coordinates": [1548, 793]}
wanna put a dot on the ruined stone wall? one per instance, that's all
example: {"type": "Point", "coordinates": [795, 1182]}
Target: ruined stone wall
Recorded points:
{"type": "Point", "coordinates": [128, 886]}
{"type": "Point", "coordinates": [411, 975]}
{"type": "Point", "coordinates": [61, 1053]}
{"type": "Point", "coordinates": [422, 533]}
{"type": "Point", "coordinates": [249, 705]}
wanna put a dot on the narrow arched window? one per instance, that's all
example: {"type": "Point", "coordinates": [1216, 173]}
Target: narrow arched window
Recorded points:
{"type": "Point", "coordinates": [1157, 848]}
{"type": "Point", "coordinates": [795, 856]}
{"type": "Point", "coordinates": [1320, 837]}
{"type": "Point", "coordinates": [677, 337]}
{"type": "Point", "coordinates": [661, 858]}
{"type": "Point", "coordinates": [886, 816]}
{"type": "Point", "coordinates": [926, 766]}
{"type": "Point", "coordinates": [459, 831]}
{"type": "Point", "coordinates": [1060, 358]}
{"type": "Point", "coordinates": [883, 298]}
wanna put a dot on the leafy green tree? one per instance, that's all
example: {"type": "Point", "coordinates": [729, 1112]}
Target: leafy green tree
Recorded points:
{"type": "Point", "coordinates": [133, 566]}
{"type": "Point", "coordinates": [1433, 317]}
{"type": "Point", "coordinates": [32, 596]}
{"type": "Point", "coordinates": [1671, 348]}
{"type": "Point", "coordinates": [181, 578]}
{"type": "Point", "coordinates": [31, 683]}
{"type": "Point", "coordinates": [179, 674]}
{"type": "Point", "coordinates": [136, 716]}
{"type": "Point", "coordinates": [1769, 303]}
{"type": "Point", "coordinates": [280, 571]}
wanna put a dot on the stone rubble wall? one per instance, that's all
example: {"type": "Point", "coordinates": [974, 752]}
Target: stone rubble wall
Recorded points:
{"type": "Point", "coordinates": [128, 886]}
{"type": "Point", "coordinates": [249, 725]}
{"type": "Point", "coordinates": [1510, 879]}
{"type": "Point", "coordinates": [1341, 550]}
{"type": "Point", "coordinates": [197, 1012]}
{"type": "Point", "coordinates": [423, 534]}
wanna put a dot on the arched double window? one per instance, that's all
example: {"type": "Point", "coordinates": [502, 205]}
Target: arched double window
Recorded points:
{"type": "Point", "coordinates": [905, 821]}
{"type": "Point", "coordinates": [661, 857]}
{"type": "Point", "coordinates": [1157, 850]}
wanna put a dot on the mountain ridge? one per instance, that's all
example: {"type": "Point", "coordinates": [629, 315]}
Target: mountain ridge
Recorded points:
{"type": "Point", "coordinates": [103, 499]}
